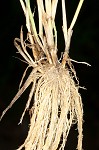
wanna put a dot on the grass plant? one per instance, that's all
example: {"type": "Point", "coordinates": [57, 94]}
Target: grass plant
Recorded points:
{"type": "Point", "coordinates": [57, 103]}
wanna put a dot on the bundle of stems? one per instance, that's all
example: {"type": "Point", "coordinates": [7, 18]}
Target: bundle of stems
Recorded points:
{"type": "Point", "coordinates": [54, 92]}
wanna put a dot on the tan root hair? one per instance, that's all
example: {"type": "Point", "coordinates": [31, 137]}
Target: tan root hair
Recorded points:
{"type": "Point", "coordinates": [57, 102]}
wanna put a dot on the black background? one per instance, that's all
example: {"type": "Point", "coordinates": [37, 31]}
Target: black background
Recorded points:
{"type": "Point", "coordinates": [84, 47]}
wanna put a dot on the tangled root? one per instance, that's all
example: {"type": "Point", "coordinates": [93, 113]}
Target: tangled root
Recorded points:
{"type": "Point", "coordinates": [57, 105]}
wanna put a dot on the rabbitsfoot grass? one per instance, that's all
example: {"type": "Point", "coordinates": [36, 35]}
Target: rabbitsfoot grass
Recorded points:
{"type": "Point", "coordinates": [54, 90]}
